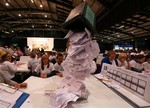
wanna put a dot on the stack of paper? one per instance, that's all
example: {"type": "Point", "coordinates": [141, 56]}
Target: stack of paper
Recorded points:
{"type": "Point", "coordinates": [81, 52]}
{"type": "Point", "coordinates": [70, 90]}
{"type": "Point", "coordinates": [77, 66]}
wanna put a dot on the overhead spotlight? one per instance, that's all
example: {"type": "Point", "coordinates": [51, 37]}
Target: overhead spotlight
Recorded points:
{"type": "Point", "coordinates": [19, 15]}
{"type": "Point", "coordinates": [12, 31]}
{"type": "Point", "coordinates": [32, 1]}
{"type": "Point", "coordinates": [6, 32]}
{"type": "Point", "coordinates": [7, 4]}
{"type": "Point", "coordinates": [45, 16]}
{"type": "Point", "coordinates": [41, 5]}
{"type": "Point", "coordinates": [121, 26]}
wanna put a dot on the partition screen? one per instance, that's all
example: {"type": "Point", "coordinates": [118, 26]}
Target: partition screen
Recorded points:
{"type": "Point", "coordinates": [46, 43]}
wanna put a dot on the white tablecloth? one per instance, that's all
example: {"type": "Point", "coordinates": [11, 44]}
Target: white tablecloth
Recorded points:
{"type": "Point", "coordinates": [100, 95]}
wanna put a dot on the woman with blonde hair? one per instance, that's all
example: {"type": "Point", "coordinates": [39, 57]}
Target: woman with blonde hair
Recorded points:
{"type": "Point", "coordinates": [123, 61]}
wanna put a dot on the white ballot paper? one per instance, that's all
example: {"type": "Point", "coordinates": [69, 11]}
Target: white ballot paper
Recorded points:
{"type": "Point", "coordinates": [8, 96]}
{"type": "Point", "coordinates": [77, 66]}
{"type": "Point", "coordinates": [70, 90]}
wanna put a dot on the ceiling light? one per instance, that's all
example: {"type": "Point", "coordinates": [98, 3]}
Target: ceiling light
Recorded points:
{"type": "Point", "coordinates": [121, 26]}
{"type": "Point", "coordinates": [46, 25]}
{"type": "Point", "coordinates": [7, 4]}
{"type": "Point", "coordinates": [45, 16]}
{"type": "Point", "coordinates": [118, 36]}
{"type": "Point", "coordinates": [19, 15]}
{"type": "Point", "coordinates": [6, 32]}
{"type": "Point", "coordinates": [32, 26]}
{"type": "Point", "coordinates": [145, 38]}
{"type": "Point", "coordinates": [32, 1]}
{"type": "Point", "coordinates": [12, 31]}
{"type": "Point", "coordinates": [41, 5]}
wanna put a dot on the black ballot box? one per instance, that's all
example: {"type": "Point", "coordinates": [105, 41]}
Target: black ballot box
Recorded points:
{"type": "Point", "coordinates": [81, 17]}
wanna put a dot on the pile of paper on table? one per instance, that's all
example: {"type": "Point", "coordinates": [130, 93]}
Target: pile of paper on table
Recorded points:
{"type": "Point", "coordinates": [78, 65]}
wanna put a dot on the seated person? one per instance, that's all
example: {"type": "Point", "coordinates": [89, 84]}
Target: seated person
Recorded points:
{"type": "Point", "coordinates": [137, 63]}
{"type": "Point", "coordinates": [53, 58]}
{"type": "Point", "coordinates": [123, 61]}
{"type": "Point", "coordinates": [8, 67]}
{"type": "Point", "coordinates": [19, 53]}
{"type": "Point", "coordinates": [5, 80]}
{"type": "Point", "coordinates": [147, 64]}
{"type": "Point", "coordinates": [57, 65]}
{"type": "Point", "coordinates": [33, 62]}
{"type": "Point", "coordinates": [45, 68]}
{"type": "Point", "coordinates": [39, 56]}
{"type": "Point", "coordinates": [110, 59]}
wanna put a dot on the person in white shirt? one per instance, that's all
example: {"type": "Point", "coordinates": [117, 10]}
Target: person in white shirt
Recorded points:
{"type": "Point", "coordinates": [137, 64]}
{"type": "Point", "coordinates": [57, 65]}
{"type": "Point", "coordinates": [45, 68]}
{"type": "Point", "coordinates": [59, 60]}
{"type": "Point", "coordinates": [5, 80]}
{"type": "Point", "coordinates": [33, 62]}
{"type": "Point", "coordinates": [147, 64]}
{"type": "Point", "coordinates": [9, 68]}
{"type": "Point", "coordinates": [39, 56]}
{"type": "Point", "coordinates": [123, 61]}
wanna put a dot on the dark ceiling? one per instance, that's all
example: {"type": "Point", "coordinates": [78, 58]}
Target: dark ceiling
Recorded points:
{"type": "Point", "coordinates": [116, 20]}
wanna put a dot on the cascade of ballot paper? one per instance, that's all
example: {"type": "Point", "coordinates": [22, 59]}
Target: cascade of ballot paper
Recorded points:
{"type": "Point", "coordinates": [78, 65]}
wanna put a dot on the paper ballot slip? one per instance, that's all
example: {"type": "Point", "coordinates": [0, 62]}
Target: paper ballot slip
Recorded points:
{"type": "Point", "coordinates": [10, 97]}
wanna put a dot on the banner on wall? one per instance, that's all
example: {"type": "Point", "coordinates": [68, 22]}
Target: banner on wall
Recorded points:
{"type": "Point", "coordinates": [37, 43]}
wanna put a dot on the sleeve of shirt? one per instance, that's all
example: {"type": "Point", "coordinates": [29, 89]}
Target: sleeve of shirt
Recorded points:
{"type": "Point", "coordinates": [8, 81]}
{"type": "Point", "coordinates": [52, 67]}
{"type": "Point", "coordinates": [38, 68]}
{"type": "Point", "coordinates": [55, 67]}
{"type": "Point", "coordinates": [29, 64]}
{"type": "Point", "coordinates": [12, 67]}
{"type": "Point", "coordinates": [132, 63]}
